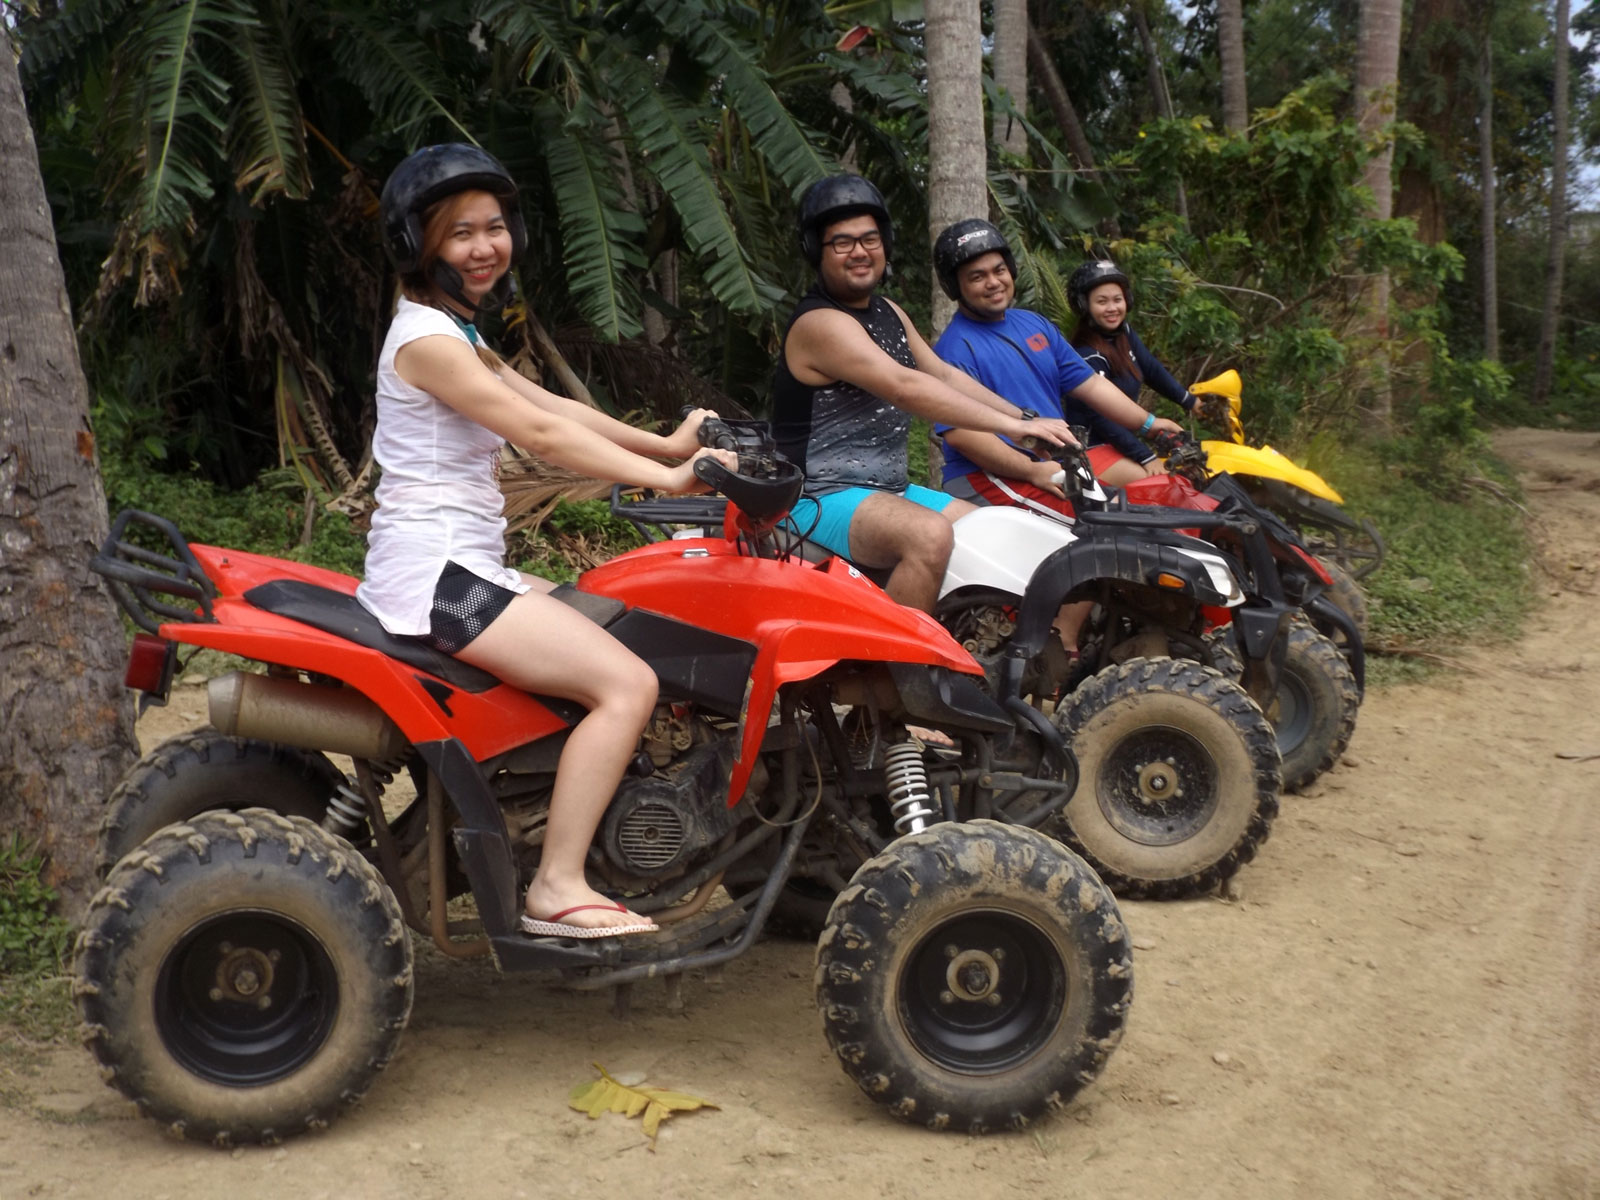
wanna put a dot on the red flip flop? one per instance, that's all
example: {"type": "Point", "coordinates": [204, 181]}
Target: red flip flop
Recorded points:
{"type": "Point", "coordinates": [555, 927]}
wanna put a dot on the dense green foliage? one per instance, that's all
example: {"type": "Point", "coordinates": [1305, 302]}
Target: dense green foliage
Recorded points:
{"type": "Point", "coordinates": [33, 937]}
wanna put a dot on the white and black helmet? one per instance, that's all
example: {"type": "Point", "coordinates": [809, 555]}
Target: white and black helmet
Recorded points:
{"type": "Point", "coordinates": [962, 242]}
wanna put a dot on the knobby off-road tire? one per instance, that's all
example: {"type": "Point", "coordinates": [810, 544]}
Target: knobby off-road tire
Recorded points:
{"type": "Point", "coordinates": [1314, 711]}
{"type": "Point", "coordinates": [1178, 777]}
{"type": "Point", "coordinates": [974, 976]}
{"type": "Point", "coordinates": [1347, 594]}
{"type": "Point", "coordinates": [243, 977]}
{"type": "Point", "coordinates": [206, 770]}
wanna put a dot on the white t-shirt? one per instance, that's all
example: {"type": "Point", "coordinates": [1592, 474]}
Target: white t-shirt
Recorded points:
{"type": "Point", "coordinates": [439, 497]}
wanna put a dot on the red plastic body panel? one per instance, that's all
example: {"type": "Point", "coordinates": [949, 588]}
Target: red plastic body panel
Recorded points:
{"type": "Point", "coordinates": [802, 618]}
{"type": "Point", "coordinates": [487, 723]}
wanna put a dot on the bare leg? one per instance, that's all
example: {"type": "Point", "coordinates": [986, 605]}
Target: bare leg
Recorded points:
{"type": "Point", "coordinates": [541, 645]}
{"type": "Point", "coordinates": [915, 542]}
{"type": "Point", "coordinates": [1121, 473]}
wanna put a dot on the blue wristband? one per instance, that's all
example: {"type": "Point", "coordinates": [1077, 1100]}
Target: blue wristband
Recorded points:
{"type": "Point", "coordinates": [1149, 420]}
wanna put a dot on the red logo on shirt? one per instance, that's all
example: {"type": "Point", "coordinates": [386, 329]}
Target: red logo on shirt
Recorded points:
{"type": "Point", "coordinates": [1038, 342]}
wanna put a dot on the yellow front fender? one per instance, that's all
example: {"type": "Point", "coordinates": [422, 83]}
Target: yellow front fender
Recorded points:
{"type": "Point", "coordinates": [1264, 462]}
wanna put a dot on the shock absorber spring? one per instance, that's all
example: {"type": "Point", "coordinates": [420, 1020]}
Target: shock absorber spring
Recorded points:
{"type": "Point", "coordinates": [907, 781]}
{"type": "Point", "coordinates": [347, 811]}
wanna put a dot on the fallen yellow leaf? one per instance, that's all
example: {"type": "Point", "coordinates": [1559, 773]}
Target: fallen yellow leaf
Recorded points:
{"type": "Point", "coordinates": [607, 1095]}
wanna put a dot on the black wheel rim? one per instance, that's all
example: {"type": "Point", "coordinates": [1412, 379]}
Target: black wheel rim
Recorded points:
{"type": "Point", "coordinates": [1158, 786]}
{"type": "Point", "coordinates": [983, 992]}
{"type": "Point", "coordinates": [1291, 719]}
{"type": "Point", "coordinates": [246, 998]}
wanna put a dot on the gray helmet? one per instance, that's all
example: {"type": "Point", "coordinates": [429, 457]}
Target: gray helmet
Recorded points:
{"type": "Point", "coordinates": [962, 242]}
{"type": "Point", "coordinates": [833, 199]}
{"type": "Point", "coordinates": [1090, 276]}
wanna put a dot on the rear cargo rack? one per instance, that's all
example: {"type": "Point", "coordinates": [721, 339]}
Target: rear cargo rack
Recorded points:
{"type": "Point", "coordinates": [138, 577]}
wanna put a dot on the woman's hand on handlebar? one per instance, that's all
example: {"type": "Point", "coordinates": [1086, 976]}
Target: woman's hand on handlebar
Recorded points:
{"type": "Point", "coordinates": [683, 479]}
{"type": "Point", "coordinates": [1163, 425]}
{"type": "Point", "coordinates": [683, 441]}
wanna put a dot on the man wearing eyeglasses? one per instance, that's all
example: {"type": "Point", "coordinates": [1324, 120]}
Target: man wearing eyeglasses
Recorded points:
{"type": "Point", "coordinates": [852, 374]}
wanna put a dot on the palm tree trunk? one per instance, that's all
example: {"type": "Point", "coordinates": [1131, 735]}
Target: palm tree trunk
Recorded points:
{"type": "Point", "coordinates": [1055, 94]}
{"type": "Point", "coordinates": [1377, 68]}
{"type": "Point", "coordinates": [1230, 50]}
{"type": "Point", "coordinates": [1158, 88]}
{"type": "Point", "coordinates": [1491, 294]}
{"type": "Point", "coordinates": [1009, 63]}
{"type": "Point", "coordinates": [66, 735]}
{"type": "Point", "coordinates": [957, 161]}
{"type": "Point", "coordinates": [1544, 362]}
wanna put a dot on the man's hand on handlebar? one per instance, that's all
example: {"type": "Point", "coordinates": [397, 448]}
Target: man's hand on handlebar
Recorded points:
{"type": "Point", "coordinates": [1048, 476]}
{"type": "Point", "coordinates": [685, 439]}
{"type": "Point", "coordinates": [1047, 429]}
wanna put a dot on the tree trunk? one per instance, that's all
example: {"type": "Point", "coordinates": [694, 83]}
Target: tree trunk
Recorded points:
{"type": "Point", "coordinates": [1377, 68]}
{"type": "Point", "coordinates": [1009, 62]}
{"type": "Point", "coordinates": [1055, 94]}
{"type": "Point", "coordinates": [1230, 51]}
{"type": "Point", "coordinates": [1491, 294]}
{"type": "Point", "coordinates": [1158, 88]}
{"type": "Point", "coordinates": [1544, 363]}
{"type": "Point", "coordinates": [66, 722]}
{"type": "Point", "coordinates": [957, 161]}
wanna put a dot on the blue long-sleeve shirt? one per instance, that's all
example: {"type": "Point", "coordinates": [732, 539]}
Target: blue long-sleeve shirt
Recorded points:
{"type": "Point", "coordinates": [1024, 358]}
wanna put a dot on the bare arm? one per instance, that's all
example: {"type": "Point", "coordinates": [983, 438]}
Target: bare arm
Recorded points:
{"type": "Point", "coordinates": [451, 370]}
{"type": "Point", "coordinates": [824, 346]}
{"type": "Point", "coordinates": [993, 455]}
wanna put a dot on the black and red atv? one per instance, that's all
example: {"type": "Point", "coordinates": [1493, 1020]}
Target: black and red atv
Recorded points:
{"type": "Point", "coordinates": [246, 970]}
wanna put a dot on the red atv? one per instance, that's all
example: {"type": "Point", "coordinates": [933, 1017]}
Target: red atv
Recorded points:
{"type": "Point", "coordinates": [247, 969]}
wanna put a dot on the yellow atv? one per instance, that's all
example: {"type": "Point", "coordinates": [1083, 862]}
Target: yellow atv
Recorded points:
{"type": "Point", "coordinates": [1301, 497]}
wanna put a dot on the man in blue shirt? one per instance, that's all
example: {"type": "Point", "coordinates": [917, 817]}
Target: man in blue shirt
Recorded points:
{"type": "Point", "coordinates": [1020, 355]}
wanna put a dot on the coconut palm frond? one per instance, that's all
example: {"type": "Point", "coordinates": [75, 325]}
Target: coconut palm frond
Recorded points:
{"type": "Point", "coordinates": [59, 50]}
{"type": "Point", "coordinates": [602, 238]}
{"type": "Point", "coordinates": [784, 142]}
{"type": "Point", "coordinates": [642, 378]}
{"type": "Point", "coordinates": [539, 35]}
{"type": "Point", "coordinates": [184, 100]}
{"type": "Point", "coordinates": [267, 137]}
{"type": "Point", "coordinates": [676, 154]}
{"type": "Point", "coordinates": [401, 78]}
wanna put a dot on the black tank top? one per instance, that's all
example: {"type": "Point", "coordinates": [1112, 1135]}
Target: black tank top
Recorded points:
{"type": "Point", "coordinates": [841, 435]}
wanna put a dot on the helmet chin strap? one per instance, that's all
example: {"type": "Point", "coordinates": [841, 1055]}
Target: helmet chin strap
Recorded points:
{"type": "Point", "coordinates": [448, 280]}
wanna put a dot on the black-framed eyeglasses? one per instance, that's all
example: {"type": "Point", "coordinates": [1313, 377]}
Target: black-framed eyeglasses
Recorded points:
{"type": "Point", "coordinates": [842, 244]}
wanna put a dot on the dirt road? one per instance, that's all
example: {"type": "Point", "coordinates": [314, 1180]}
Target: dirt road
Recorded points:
{"type": "Point", "coordinates": [1403, 1002]}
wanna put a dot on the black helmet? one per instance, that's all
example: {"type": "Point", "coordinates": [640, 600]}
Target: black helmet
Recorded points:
{"type": "Point", "coordinates": [962, 242]}
{"type": "Point", "coordinates": [833, 199]}
{"type": "Point", "coordinates": [428, 176]}
{"type": "Point", "coordinates": [1090, 276]}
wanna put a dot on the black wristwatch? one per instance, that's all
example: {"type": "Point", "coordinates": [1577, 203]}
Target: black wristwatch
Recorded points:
{"type": "Point", "coordinates": [1027, 414]}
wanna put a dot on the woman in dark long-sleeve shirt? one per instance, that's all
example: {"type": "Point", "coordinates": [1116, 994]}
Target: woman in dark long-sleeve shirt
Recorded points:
{"type": "Point", "coordinates": [1099, 293]}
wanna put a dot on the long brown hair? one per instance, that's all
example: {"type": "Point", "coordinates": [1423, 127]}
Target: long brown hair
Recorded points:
{"type": "Point", "coordinates": [438, 219]}
{"type": "Point", "coordinates": [1088, 338]}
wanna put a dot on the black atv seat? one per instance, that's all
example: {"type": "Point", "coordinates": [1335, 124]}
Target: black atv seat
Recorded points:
{"type": "Point", "coordinates": [342, 615]}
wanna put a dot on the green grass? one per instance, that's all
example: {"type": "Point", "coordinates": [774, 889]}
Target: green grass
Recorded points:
{"type": "Point", "coordinates": [1457, 568]}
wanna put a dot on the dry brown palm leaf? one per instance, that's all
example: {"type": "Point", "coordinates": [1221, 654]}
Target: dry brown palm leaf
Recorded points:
{"type": "Point", "coordinates": [532, 489]}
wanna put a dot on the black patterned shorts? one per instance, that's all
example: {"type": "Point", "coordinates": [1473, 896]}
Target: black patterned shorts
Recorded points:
{"type": "Point", "coordinates": [464, 605]}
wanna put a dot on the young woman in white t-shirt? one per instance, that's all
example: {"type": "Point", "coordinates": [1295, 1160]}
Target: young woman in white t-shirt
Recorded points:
{"type": "Point", "coordinates": [435, 560]}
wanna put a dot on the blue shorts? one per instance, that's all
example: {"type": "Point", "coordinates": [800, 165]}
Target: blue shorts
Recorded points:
{"type": "Point", "coordinates": [834, 511]}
